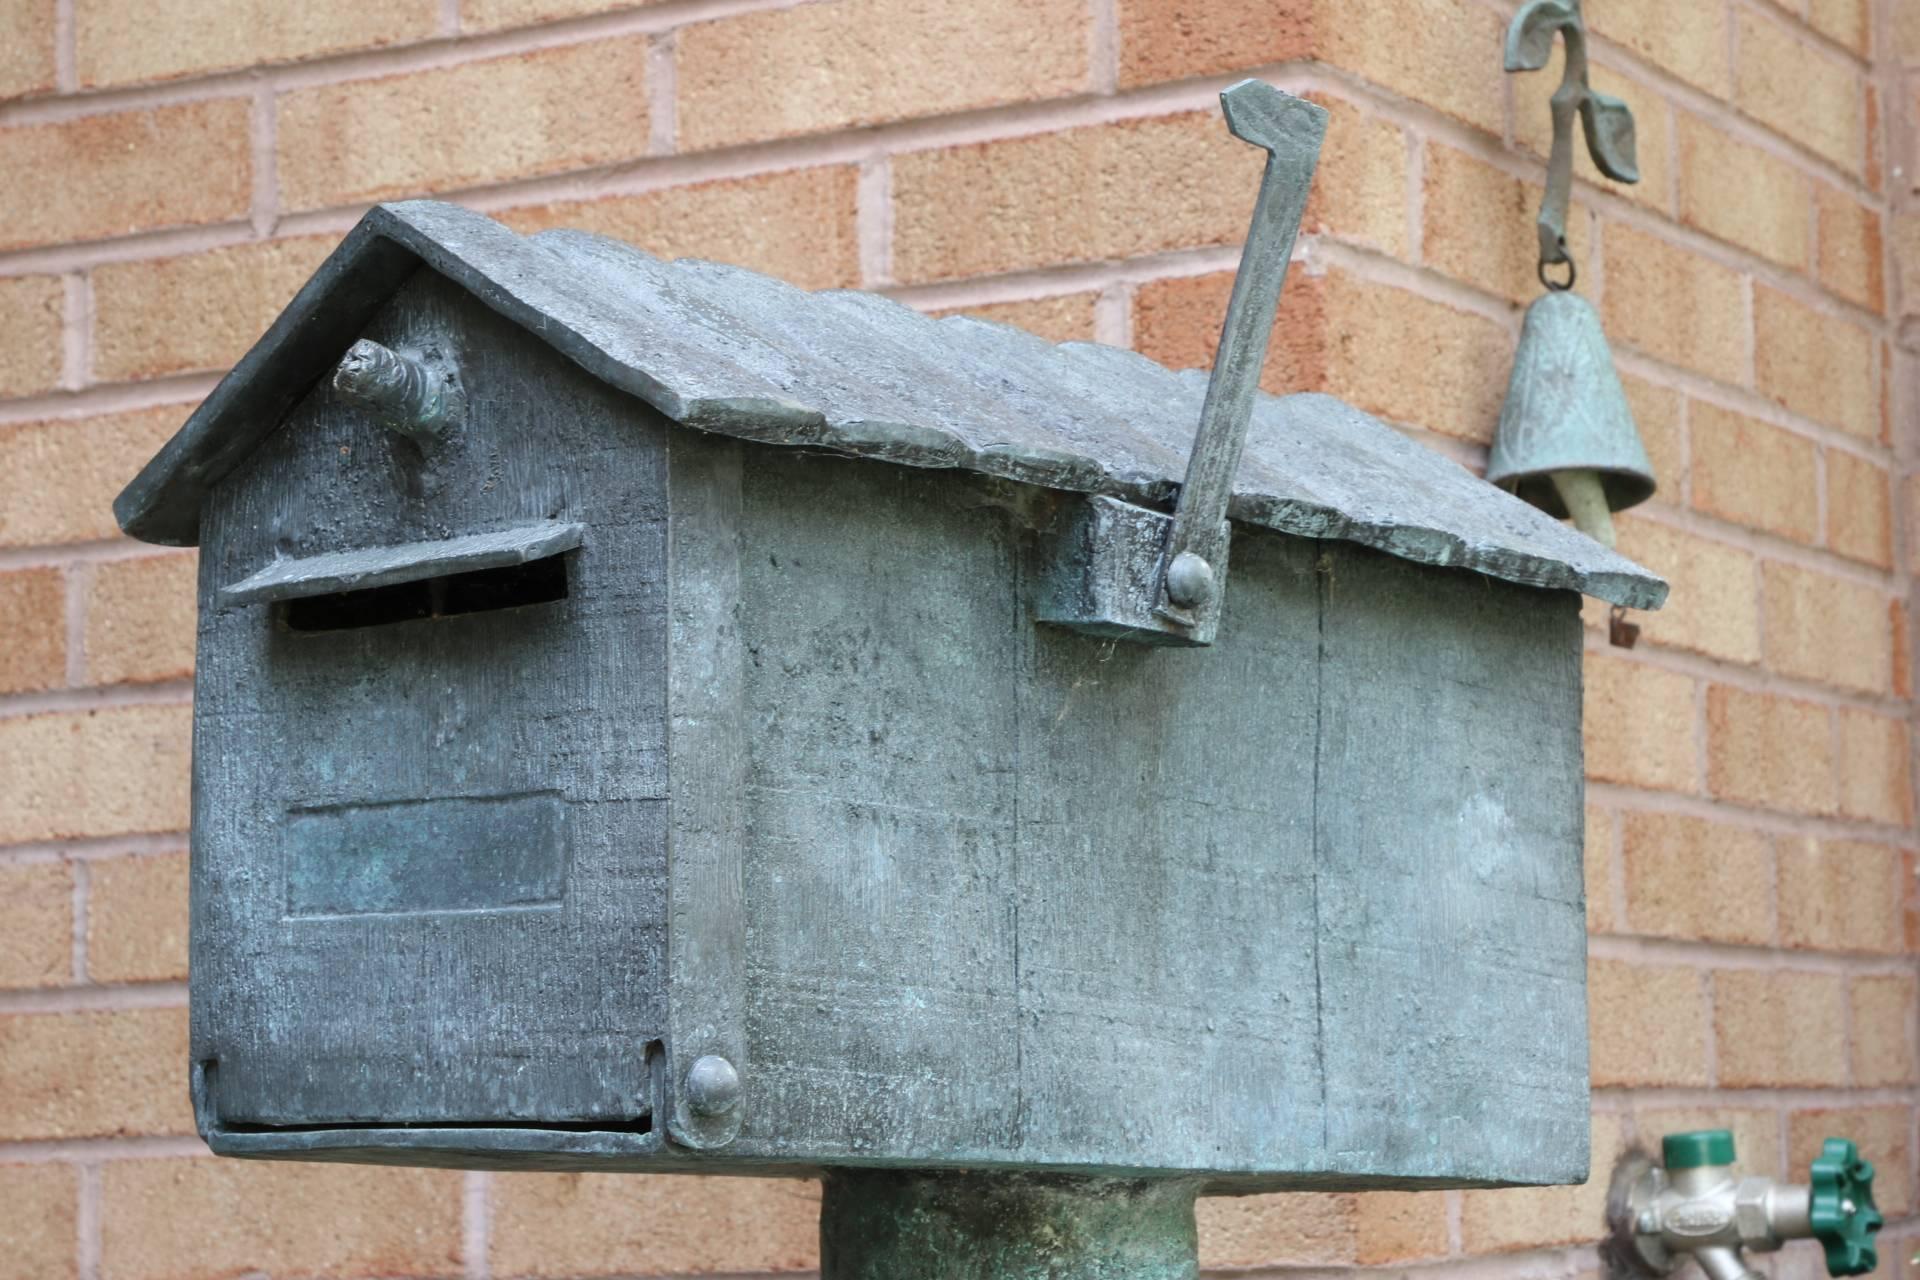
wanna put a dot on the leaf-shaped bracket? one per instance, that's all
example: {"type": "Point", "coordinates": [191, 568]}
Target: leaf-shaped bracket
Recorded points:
{"type": "Point", "coordinates": [1607, 121]}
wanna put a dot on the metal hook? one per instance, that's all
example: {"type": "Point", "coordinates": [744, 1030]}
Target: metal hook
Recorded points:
{"type": "Point", "coordinates": [1607, 121]}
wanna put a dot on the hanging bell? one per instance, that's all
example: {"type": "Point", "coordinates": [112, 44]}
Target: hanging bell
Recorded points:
{"type": "Point", "coordinates": [1566, 441]}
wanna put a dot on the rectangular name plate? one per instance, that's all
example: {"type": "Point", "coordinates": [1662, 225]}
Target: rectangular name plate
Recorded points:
{"type": "Point", "coordinates": [466, 853]}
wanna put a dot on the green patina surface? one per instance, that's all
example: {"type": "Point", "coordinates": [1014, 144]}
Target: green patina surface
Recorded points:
{"type": "Point", "coordinates": [885, 1225]}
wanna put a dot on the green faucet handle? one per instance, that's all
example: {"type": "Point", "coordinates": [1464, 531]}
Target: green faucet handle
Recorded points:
{"type": "Point", "coordinates": [1843, 1214]}
{"type": "Point", "coordinates": [1699, 1149]}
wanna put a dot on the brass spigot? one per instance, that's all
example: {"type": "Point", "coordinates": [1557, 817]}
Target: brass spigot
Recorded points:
{"type": "Point", "coordinates": [1694, 1204]}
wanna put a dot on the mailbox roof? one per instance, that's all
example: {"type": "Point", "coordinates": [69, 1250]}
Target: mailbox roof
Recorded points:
{"type": "Point", "coordinates": [726, 350]}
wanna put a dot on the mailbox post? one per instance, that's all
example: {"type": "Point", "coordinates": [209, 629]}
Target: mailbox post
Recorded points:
{"type": "Point", "coordinates": [649, 717]}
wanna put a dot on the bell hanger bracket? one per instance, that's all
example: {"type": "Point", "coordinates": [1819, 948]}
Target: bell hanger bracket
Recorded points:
{"type": "Point", "coordinates": [1606, 121]}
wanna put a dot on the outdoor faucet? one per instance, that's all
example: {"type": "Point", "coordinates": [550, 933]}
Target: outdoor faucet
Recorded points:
{"type": "Point", "coordinates": [1697, 1205]}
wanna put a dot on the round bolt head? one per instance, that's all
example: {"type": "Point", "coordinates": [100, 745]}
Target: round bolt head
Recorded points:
{"type": "Point", "coordinates": [1649, 1222]}
{"type": "Point", "coordinates": [713, 1086]}
{"type": "Point", "coordinates": [1189, 580]}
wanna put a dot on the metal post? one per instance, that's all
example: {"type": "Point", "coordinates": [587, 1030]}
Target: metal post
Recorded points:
{"type": "Point", "coordinates": [900, 1225]}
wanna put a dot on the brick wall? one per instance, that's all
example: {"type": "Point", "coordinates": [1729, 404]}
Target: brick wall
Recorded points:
{"type": "Point", "coordinates": [170, 170]}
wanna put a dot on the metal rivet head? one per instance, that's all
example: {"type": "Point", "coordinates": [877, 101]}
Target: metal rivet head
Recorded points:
{"type": "Point", "coordinates": [1649, 1222]}
{"type": "Point", "coordinates": [713, 1086]}
{"type": "Point", "coordinates": [1189, 580]}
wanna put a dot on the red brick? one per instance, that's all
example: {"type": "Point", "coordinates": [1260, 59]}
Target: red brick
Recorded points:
{"type": "Point", "coordinates": [179, 38]}
{"type": "Point", "coordinates": [490, 15]}
{"type": "Point", "coordinates": [1911, 526]}
{"type": "Point", "coordinates": [1160, 41]}
{"type": "Point", "coordinates": [1852, 249]}
{"type": "Point", "coordinates": [851, 63]}
{"type": "Point", "coordinates": [1297, 1229]}
{"type": "Point", "coordinates": [1909, 898]}
{"type": "Point", "coordinates": [1776, 1027]}
{"type": "Point", "coordinates": [159, 316]}
{"type": "Point", "coordinates": [1639, 725]}
{"type": "Point", "coordinates": [184, 1219]}
{"type": "Point", "coordinates": [1064, 317]}
{"type": "Point", "coordinates": [1646, 1024]}
{"type": "Point", "coordinates": [1742, 194]}
{"type": "Point", "coordinates": [1847, 22]}
{"type": "Point", "coordinates": [90, 1075]}
{"type": "Point", "coordinates": [1392, 353]}
{"type": "Point", "coordinates": [1753, 473]}
{"type": "Point", "coordinates": [1905, 232]}
{"type": "Point", "coordinates": [1768, 751]}
{"type": "Point", "coordinates": [94, 773]}
{"type": "Point", "coordinates": [1817, 365]}
{"type": "Point", "coordinates": [1478, 225]}
{"type": "Point", "coordinates": [797, 224]}
{"type": "Point", "coordinates": [481, 122]}
{"type": "Point", "coordinates": [58, 478]}
{"type": "Point", "coordinates": [1688, 40]}
{"type": "Point", "coordinates": [1884, 1135]}
{"type": "Point", "coordinates": [36, 919]}
{"type": "Point", "coordinates": [1675, 306]}
{"type": "Point", "coordinates": [1859, 509]}
{"type": "Point", "coordinates": [1874, 772]}
{"type": "Point", "coordinates": [1875, 176]}
{"type": "Point", "coordinates": [119, 172]}
{"type": "Point", "coordinates": [1407, 358]}
{"type": "Point", "coordinates": [1714, 608]}
{"type": "Point", "coordinates": [40, 1230]}
{"type": "Point", "coordinates": [137, 918]}
{"type": "Point", "coordinates": [1177, 322]}
{"type": "Point", "coordinates": [1800, 92]}
{"type": "Point", "coordinates": [1446, 68]}
{"type": "Point", "coordinates": [1597, 862]}
{"type": "Point", "coordinates": [1831, 630]}
{"type": "Point", "coordinates": [1906, 29]}
{"type": "Point", "coordinates": [1538, 1217]}
{"type": "Point", "coordinates": [34, 604]}
{"type": "Point", "coordinates": [140, 619]}
{"type": "Point", "coordinates": [1882, 1010]}
{"type": "Point", "coordinates": [26, 48]}
{"type": "Point", "coordinates": [1385, 350]}
{"type": "Point", "coordinates": [570, 1224]}
{"type": "Point", "coordinates": [1360, 187]}
{"type": "Point", "coordinates": [1399, 1226]}
{"type": "Point", "coordinates": [1656, 412]}
{"type": "Point", "coordinates": [1840, 895]}
{"type": "Point", "coordinates": [1053, 198]}
{"type": "Point", "coordinates": [1690, 878]}
{"type": "Point", "coordinates": [1902, 648]}
{"type": "Point", "coordinates": [31, 345]}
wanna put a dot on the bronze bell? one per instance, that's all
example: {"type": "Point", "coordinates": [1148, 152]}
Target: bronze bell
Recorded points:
{"type": "Point", "coordinates": [1566, 441]}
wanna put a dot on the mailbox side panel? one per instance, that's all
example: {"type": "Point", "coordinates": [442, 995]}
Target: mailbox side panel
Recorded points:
{"type": "Point", "coordinates": [1451, 899]}
{"type": "Point", "coordinates": [882, 656]}
{"type": "Point", "coordinates": [1015, 895]}
{"type": "Point", "coordinates": [429, 854]}
{"type": "Point", "coordinates": [1166, 886]}
{"type": "Point", "coordinates": [1300, 910]}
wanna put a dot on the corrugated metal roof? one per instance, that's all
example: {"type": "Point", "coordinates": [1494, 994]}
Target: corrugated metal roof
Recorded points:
{"type": "Point", "coordinates": [727, 350]}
